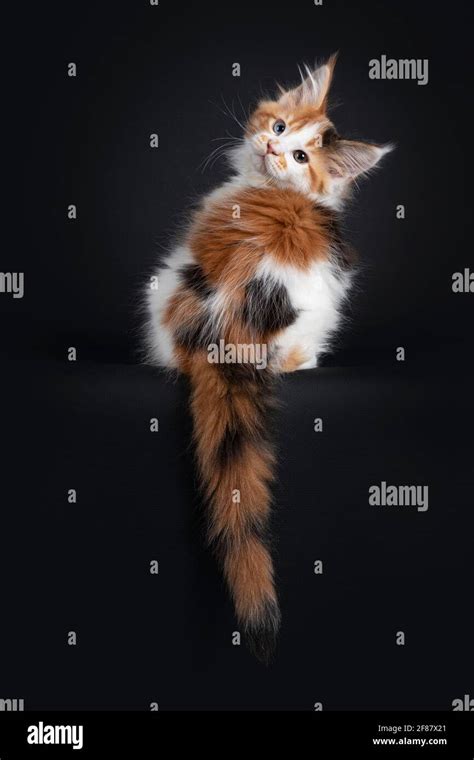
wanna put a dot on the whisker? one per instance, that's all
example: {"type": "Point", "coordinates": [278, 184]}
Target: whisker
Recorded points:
{"type": "Point", "coordinates": [232, 114]}
{"type": "Point", "coordinates": [215, 154]}
{"type": "Point", "coordinates": [230, 137]}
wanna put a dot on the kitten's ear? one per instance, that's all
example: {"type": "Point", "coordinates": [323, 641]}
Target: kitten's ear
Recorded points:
{"type": "Point", "coordinates": [349, 158]}
{"type": "Point", "coordinates": [314, 88]}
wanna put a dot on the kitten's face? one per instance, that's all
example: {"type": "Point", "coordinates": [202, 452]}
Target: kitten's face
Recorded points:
{"type": "Point", "coordinates": [292, 143]}
{"type": "Point", "coordinates": [287, 146]}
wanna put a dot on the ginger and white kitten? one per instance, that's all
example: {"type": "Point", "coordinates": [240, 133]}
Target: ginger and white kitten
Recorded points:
{"type": "Point", "coordinates": [263, 263]}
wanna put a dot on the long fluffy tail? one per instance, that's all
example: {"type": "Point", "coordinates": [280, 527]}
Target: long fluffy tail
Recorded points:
{"type": "Point", "coordinates": [231, 407]}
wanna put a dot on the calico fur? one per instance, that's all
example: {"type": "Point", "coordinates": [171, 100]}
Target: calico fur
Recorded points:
{"type": "Point", "coordinates": [263, 262]}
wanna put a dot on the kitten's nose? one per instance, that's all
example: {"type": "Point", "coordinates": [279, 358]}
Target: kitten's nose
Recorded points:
{"type": "Point", "coordinates": [271, 148]}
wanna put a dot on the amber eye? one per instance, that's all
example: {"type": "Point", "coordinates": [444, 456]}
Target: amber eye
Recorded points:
{"type": "Point", "coordinates": [279, 127]}
{"type": "Point", "coordinates": [300, 156]}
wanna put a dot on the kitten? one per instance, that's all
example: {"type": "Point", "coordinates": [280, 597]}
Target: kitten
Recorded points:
{"type": "Point", "coordinates": [262, 266]}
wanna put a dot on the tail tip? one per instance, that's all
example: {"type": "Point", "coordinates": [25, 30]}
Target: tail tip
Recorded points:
{"type": "Point", "coordinates": [261, 637]}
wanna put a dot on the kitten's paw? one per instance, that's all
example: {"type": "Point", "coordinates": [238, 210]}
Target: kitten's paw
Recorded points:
{"type": "Point", "coordinates": [311, 364]}
{"type": "Point", "coordinates": [297, 359]}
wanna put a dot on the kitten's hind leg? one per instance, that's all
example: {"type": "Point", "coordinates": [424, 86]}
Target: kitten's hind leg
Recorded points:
{"type": "Point", "coordinates": [310, 364]}
{"type": "Point", "coordinates": [297, 359]}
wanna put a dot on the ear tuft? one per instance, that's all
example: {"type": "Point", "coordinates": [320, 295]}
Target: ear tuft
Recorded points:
{"type": "Point", "coordinates": [314, 88]}
{"type": "Point", "coordinates": [350, 158]}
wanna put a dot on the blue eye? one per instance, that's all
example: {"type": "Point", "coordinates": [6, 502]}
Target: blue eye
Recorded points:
{"type": "Point", "coordinates": [279, 127]}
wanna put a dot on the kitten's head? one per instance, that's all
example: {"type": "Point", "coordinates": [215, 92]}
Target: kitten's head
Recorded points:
{"type": "Point", "coordinates": [290, 142]}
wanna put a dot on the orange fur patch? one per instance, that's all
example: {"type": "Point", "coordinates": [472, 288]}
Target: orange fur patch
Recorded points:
{"type": "Point", "coordinates": [248, 570]}
{"type": "Point", "coordinates": [294, 359]}
{"type": "Point", "coordinates": [283, 224]}
{"type": "Point", "coordinates": [264, 117]}
{"type": "Point", "coordinates": [182, 310]}
{"type": "Point", "coordinates": [218, 407]}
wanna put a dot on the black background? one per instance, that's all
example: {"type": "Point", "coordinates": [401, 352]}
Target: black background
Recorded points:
{"type": "Point", "coordinates": [84, 567]}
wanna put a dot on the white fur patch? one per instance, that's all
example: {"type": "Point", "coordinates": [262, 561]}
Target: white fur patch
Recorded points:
{"type": "Point", "coordinates": [317, 295]}
{"type": "Point", "coordinates": [159, 338]}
